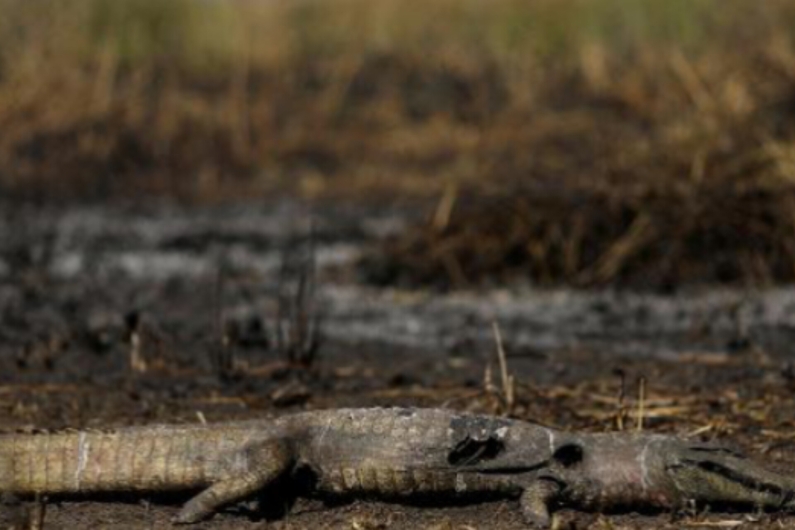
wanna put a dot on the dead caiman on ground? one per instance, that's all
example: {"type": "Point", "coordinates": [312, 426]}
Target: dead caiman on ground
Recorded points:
{"type": "Point", "coordinates": [398, 453]}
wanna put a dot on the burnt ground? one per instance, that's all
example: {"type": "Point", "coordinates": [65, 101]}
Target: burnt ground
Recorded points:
{"type": "Point", "coordinates": [199, 288]}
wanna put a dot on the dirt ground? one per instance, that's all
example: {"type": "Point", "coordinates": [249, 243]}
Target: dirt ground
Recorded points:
{"type": "Point", "coordinates": [199, 288]}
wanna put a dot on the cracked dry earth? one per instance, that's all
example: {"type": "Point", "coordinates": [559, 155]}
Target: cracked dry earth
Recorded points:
{"type": "Point", "coordinates": [716, 363]}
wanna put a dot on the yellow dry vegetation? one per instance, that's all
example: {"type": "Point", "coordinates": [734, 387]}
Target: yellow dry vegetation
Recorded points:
{"type": "Point", "coordinates": [654, 112]}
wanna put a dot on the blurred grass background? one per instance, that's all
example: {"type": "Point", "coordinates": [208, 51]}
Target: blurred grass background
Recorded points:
{"type": "Point", "coordinates": [582, 141]}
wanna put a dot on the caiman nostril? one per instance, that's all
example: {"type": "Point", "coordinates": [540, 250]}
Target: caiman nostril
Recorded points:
{"type": "Point", "coordinates": [568, 455]}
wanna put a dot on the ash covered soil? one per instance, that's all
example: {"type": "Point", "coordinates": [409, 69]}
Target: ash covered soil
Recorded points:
{"type": "Point", "coordinates": [127, 315]}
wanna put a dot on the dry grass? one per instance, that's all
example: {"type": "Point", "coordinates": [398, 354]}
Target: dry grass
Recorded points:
{"type": "Point", "coordinates": [625, 135]}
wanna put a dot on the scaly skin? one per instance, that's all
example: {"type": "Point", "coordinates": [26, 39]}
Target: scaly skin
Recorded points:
{"type": "Point", "coordinates": [392, 453]}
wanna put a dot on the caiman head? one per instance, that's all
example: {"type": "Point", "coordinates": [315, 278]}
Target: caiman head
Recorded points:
{"type": "Point", "coordinates": [648, 471]}
{"type": "Point", "coordinates": [498, 447]}
{"type": "Point", "coordinates": [718, 476]}
{"type": "Point", "coordinates": [613, 471]}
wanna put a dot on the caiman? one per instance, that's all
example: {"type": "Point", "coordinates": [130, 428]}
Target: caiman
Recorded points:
{"type": "Point", "coordinates": [394, 453]}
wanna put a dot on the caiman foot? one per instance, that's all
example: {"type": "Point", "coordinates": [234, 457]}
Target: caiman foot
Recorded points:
{"type": "Point", "coordinates": [206, 503]}
{"type": "Point", "coordinates": [535, 501]}
{"type": "Point", "coordinates": [266, 462]}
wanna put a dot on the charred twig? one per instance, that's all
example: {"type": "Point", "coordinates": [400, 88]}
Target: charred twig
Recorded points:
{"type": "Point", "coordinates": [621, 411]}
{"type": "Point", "coordinates": [641, 402]}
{"type": "Point", "coordinates": [298, 316]}
{"type": "Point", "coordinates": [222, 352]}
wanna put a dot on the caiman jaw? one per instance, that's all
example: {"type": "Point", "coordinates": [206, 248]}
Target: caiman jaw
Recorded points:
{"type": "Point", "coordinates": [718, 476]}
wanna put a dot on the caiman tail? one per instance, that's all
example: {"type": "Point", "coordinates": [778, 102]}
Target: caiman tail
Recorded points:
{"type": "Point", "coordinates": [131, 459]}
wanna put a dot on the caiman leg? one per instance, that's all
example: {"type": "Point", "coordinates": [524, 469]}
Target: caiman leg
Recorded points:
{"type": "Point", "coordinates": [266, 463]}
{"type": "Point", "coordinates": [536, 499]}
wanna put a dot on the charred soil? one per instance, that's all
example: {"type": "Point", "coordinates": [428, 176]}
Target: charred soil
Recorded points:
{"type": "Point", "coordinates": [79, 282]}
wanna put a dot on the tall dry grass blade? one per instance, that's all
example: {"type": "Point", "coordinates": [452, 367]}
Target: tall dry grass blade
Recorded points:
{"type": "Point", "coordinates": [691, 81]}
{"type": "Point", "coordinates": [506, 378]}
{"type": "Point", "coordinates": [444, 209]}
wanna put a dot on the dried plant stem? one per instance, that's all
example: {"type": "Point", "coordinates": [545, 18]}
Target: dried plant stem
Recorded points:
{"type": "Point", "coordinates": [641, 402]}
{"type": "Point", "coordinates": [137, 360]}
{"type": "Point", "coordinates": [620, 412]}
{"type": "Point", "coordinates": [506, 378]}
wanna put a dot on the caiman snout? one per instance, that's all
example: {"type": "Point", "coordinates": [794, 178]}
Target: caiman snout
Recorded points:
{"type": "Point", "coordinates": [607, 471]}
{"type": "Point", "coordinates": [718, 476]}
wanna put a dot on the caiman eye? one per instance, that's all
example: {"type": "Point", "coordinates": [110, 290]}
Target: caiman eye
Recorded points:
{"type": "Point", "coordinates": [568, 455]}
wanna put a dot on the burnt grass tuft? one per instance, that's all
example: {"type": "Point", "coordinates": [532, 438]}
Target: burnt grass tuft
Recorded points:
{"type": "Point", "coordinates": [657, 239]}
